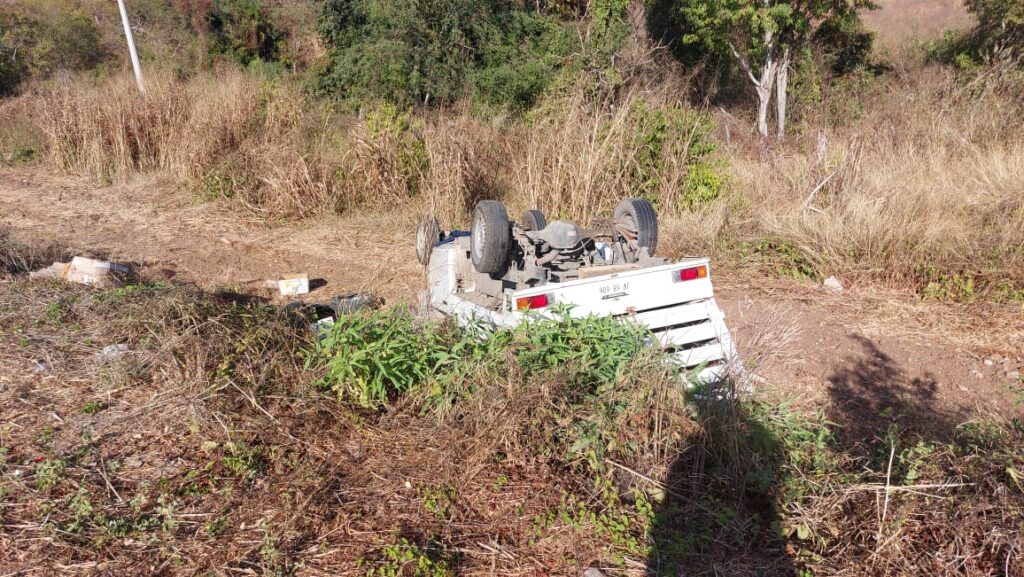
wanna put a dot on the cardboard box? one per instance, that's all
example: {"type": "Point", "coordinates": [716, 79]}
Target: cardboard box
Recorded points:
{"type": "Point", "coordinates": [87, 271]}
{"type": "Point", "coordinates": [293, 284]}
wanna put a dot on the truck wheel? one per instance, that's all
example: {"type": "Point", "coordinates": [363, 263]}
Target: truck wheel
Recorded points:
{"type": "Point", "coordinates": [638, 215]}
{"type": "Point", "coordinates": [427, 235]}
{"type": "Point", "coordinates": [533, 219]}
{"type": "Point", "coordinates": [491, 237]}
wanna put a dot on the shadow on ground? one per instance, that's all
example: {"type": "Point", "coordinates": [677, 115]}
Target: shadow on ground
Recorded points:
{"type": "Point", "coordinates": [733, 495]}
{"type": "Point", "coordinates": [875, 402]}
{"type": "Point", "coordinates": [720, 514]}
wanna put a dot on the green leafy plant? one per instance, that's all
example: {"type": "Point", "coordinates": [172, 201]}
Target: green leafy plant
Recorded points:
{"type": "Point", "coordinates": [403, 558]}
{"type": "Point", "coordinates": [49, 473]}
{"type": "Point", "coordinates": [38, 38]}
{"type": "Point", "coordinates": [437, 51]}
{"type": "Point", "coordinates": [785, 259]}
{"type": "Point", "coordinates": [997, 37]}
{"type": "Point", "coordinates": [438, 500]}
{"type": "Point", "coordinates": [91, 408]}
{"type": "Point", "coordinates": [665, 136]}
{"type": "Point", "coordinates": [763, 37]}
{"type": "Point", "coordinates": [243, 459]}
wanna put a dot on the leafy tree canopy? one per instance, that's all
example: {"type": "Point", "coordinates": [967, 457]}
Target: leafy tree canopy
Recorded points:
{"type": "Point", "coordinates": [243, 31]}
{"type": "Point", "coordinates": [755, 26]}
{"type": "Point", "coordinates": [437, 51]}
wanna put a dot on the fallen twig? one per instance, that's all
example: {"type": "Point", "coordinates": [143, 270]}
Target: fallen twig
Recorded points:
{"type": "Point", "coordinates": [810, 197]}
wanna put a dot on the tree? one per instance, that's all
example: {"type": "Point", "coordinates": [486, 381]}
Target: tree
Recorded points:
{"type": "Point", "coordinates": [435, 52]}
{"type": "Point", "coordinates": [762, 35]}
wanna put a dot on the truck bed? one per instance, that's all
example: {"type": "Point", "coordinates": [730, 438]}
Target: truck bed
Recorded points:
{"type": "Point", "coordinates": [682, 315]}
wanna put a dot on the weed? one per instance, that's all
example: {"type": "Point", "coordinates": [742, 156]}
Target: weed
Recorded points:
{"type": "Point", "coordinates": [200, 482]}
{"type": "Point", "coordinates": [49, 473]}
{"type": "Point", "coordinates": [243, 459]}
{"type": "Point", "coordinates": [165, 513]}
{"type": "Point", "coordinates": [46, 437]}
{"type": "Point", "coordinates": [438, 500]}
{"type": "Point", "coordinates": [785, 259]}
{"type": "Point", "coordinates": [405, 558]}
{"type": "Point", "coordinates": [91, 408]}
{"type": "Point", "coordinates": [956, 287]}
{"type": "Point", "coordinates": [82, 510]}
{"type": "Point", "coordinates": [625, 525]}
{"type": "Point", "coordinates": [216, 527]}
{"type": "Point", "coordinates": [268, 550]}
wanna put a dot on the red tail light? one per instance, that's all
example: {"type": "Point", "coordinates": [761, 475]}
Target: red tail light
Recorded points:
{"type": "Point", "coordinates": [693, 273]}
{"type": "Point", "coordinates": [534, 302]}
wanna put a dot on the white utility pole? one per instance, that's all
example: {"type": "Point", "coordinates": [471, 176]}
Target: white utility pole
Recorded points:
{"type": "Point", "coordinates": [131, 46]}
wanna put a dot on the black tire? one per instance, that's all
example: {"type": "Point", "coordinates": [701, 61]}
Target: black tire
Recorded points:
{"type": "Point", "coordinates": [533, 219]}
{"type": "Point", "coordinates": [638, 215]}
{"type": "Point", "coordinates": [427, 235]}
{"type": "Point", "coordinates": [490, 237]}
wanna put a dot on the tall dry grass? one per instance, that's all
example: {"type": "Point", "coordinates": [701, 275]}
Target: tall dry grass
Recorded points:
{"type": "Point", "coordinates": [227, 134]}
{"type": "Point", "coordinates": [925, 185]}
{"type": "Point", "coordinates": [911, 178]}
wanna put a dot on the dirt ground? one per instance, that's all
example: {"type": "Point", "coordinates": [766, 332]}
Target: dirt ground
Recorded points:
{"type": "Point", "coordinates": [859, 351]}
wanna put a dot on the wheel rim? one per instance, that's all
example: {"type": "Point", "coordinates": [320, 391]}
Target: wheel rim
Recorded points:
{"type": "Point", "coordinates": [628, 220]}
{"type": "Point", "coordinates": [478, 237]}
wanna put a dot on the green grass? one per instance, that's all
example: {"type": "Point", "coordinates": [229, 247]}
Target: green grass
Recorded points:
{"type": "Point", "coordinates": [371, 358]}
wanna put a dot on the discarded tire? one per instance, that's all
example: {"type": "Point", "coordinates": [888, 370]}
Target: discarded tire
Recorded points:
{"type": "Point", "coordinates": [490, 237]}
{"type": "Point", "coordinates": [427, 235]}
{"type": "Point", "coordinates": [533, 219]}
{"type": "Point", "coordinates": [638, 215]}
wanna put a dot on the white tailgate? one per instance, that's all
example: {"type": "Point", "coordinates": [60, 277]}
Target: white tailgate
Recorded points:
{"type": "Point", "coordinates": [682, 315]}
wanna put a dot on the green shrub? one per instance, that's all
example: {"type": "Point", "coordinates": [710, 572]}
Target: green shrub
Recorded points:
{"type": "Point", "coordinates": [401, 51]}
{"type": "Point", "coordinates": [11, 69]}
{"type": "Point", "coordinates": [997, 36]}
{"type": "Point", "coordinates": [369, 359]}
{"type": "Point", "coordinates": [665, 135]}
{"type": "Point", "coordinates": [242, 30]}
{"type": "Point", "coordinates": [398, 131]}
{"type": "Point", "coordinates": [521, 59]}
{"type": "Point", "coordinates": [405, 558]}
{"type": "Point", "coordinates": [437, 51]}
{"type": "Point", "coordinates": [37, 38]}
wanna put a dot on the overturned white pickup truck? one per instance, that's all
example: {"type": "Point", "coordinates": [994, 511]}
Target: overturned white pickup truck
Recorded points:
{"type": "Point", "coordinates": [501, 270]}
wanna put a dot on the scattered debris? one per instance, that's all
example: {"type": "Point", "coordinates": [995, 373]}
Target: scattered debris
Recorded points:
{"type": "Point", "coordinates": [320, 317]}
{"type": "Point", "coordinates": [87, 271]}
{"type": "Point", "coordinates": [111, 352]}
{"type": "Point", "coordinates": [292, 284]}
{"type": "Point", "coordinates": [322, 325]}
{"type": "Point", "coordinates": [41, 367]}
{"type": "Point", "coordinates": [594, 572]}
{"type": "Point", "coordinates": [352, 302]}
{"type": "Point", "coordinates": [833, 284]}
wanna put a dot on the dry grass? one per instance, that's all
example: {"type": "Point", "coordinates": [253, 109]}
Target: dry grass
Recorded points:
{"type": "Point", "coordinates": [224, 135]}
{"type": "Point", "coordinates": [923, 183]}
{"type": "Point", "coordinates": [900, 21]}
